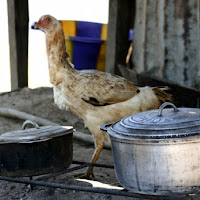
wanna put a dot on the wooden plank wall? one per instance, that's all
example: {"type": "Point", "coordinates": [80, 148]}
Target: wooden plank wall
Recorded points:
{"type": "Point", "coordinates": [120, 21]}
{"type": "Point", "coordinates": [18, 18]}
{"type": "Point", "coordinates": [167, 40]}
{"type": "Point", "coordinates": [166, 46]}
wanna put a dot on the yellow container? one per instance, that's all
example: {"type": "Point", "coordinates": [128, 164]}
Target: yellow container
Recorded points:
{"type": "Point", "coordinates": [69, 47]}
{"type": "Point", "coordinates": [101, 60]}
{"type": "Point", "coordinates": [69, 29]}
{"type": "Point", "coordinates": [104, 31]}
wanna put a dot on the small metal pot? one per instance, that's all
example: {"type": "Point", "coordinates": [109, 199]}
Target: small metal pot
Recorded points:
{"type": "Point", "coordinates": [35, 151]}
{"type": "Point", "coordinates": [158, 151]}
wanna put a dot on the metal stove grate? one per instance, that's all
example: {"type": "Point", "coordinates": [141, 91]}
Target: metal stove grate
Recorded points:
{"type": "Point", "coordinates": [40, 182]}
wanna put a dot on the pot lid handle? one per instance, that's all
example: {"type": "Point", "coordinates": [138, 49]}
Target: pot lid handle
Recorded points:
{"type": "Point", "coordinates": [30, 122]}
{"type": "Point", "coordinates": [105, 127]}
{"type": "Point", "coordinates": [165, 105]}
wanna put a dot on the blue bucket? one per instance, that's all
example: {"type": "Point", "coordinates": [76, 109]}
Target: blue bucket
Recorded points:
{"type": "Point", "coordinates": [86, 51]}
{"type": "Point", "coordinates": [130, 37]}
{"type": "Point", "coordinates": [89, 29]}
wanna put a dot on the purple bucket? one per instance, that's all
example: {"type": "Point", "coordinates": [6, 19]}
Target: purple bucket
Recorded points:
{"type": "Point", "coordinates": [86, 51]}
{"type": "Point", "coordinates": [89, 29]}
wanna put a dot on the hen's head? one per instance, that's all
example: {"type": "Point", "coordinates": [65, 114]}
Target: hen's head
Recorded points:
{"type": "Point", "coordinates": [47, 23]}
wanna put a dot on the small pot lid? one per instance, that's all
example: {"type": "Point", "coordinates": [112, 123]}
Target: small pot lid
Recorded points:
{"type": "Point", "coordinates": [159, 124]}
{"type": "Point", "coordinates": [36, 134]}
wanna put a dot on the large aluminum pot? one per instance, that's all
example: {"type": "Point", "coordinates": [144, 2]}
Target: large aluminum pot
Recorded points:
{"type": "Point", "coordinates": [158, 151]}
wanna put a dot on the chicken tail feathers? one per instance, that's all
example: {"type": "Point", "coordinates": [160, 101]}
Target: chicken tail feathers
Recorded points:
{"type": "Point", "coordinates": [164, 96]}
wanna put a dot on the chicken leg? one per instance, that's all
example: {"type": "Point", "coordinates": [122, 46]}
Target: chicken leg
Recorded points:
{"type": "Point", "coordinates": [99, 144]}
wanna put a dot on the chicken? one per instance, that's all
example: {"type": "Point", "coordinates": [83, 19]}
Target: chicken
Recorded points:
{"type": "Point", "coordinates": [94, 96]}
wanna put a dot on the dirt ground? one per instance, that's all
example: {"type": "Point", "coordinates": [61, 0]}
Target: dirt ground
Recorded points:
{"type": "Point", "coordinates": [39, 102]}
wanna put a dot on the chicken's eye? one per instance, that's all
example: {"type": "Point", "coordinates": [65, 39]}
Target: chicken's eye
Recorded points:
{"type": "Point", "coordinates": [48, 19]}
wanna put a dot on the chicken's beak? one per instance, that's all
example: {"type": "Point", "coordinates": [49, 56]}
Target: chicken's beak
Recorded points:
{"type": "Point", "coordinates": [36, 25]}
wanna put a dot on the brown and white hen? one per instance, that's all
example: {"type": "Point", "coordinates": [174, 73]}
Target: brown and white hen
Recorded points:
{"type": "Point", "coordinates": [96, 97]}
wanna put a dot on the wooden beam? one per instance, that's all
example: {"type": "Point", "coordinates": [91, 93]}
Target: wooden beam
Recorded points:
{"type": "Point", "coordinates": [18, 19]}
{"type": "Point", "coordinates": [120, 20]}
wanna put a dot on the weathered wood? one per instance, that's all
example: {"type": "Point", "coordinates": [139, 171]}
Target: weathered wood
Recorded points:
{"type": "Point", "coordinates": [185, 96]}
{"type": "Point", "coordinates": [167, 40]}
{"type": "Point", "coordinates": [18, 18]}
{"type": "Point", "coordinates": [120, 19]}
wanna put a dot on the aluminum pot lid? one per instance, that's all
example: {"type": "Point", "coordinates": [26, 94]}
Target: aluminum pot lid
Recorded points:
{"type": "Point", "coordinates": [36, 134]}
{"type": "Point", "coordinates": [159, 124]}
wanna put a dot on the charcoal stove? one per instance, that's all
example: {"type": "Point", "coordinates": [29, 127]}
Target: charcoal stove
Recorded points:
{"type": "Point", "coordinates": [118, 192]}
{"type": "Point", "coordinates": [22, 169]}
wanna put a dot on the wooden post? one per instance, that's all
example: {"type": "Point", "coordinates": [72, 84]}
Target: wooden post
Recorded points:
{"type": "Point", "coordinates": [167, 40]}
{"type": "Point", "coordinates": [120, 18]}
{"type": "Point", "coordinates": [18, 18]}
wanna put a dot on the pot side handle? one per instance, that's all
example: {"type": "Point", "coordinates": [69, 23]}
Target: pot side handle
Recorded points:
{"type": "Point", "coordinates": [30, 122]}
{"type": "Point", "coordinates": [165, 105]}
{"type": "Point", "coordinates": [105, 127]}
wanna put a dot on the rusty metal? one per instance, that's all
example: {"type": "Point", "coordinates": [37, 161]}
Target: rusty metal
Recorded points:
{"type": "Point", "coordinates": [80, 166]}
{"type": "Point", "coordinates": [93, 164]}
{"type": "Point", "coordinates": [117, 192]}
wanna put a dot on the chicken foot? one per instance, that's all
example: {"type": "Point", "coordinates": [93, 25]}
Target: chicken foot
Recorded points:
{"type": "Point", "coordinates": [89, 172]}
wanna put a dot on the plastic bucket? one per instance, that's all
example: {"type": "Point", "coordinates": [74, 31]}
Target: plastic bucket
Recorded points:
{"type": "Point", "coordinates": [69, 47]}
{"type": "Point", "coordinates": [101, 60]}
{"type": "Point", "coordinates": [86, 51]}
{"type": "Point", "coordinates": [69, 27]}
{"type": "Point", "coordinates": [89, 29]}
{"type": "Point", "coordinates": [130, 36]}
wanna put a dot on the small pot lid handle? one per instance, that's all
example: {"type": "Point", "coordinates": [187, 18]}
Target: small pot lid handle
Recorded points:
{"type": "Point", "coordinates": [105, 127]}
{"type": "Point", "coordinates": [165, 105]}
{"type": "Point", "coordinates": [30, 122]}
